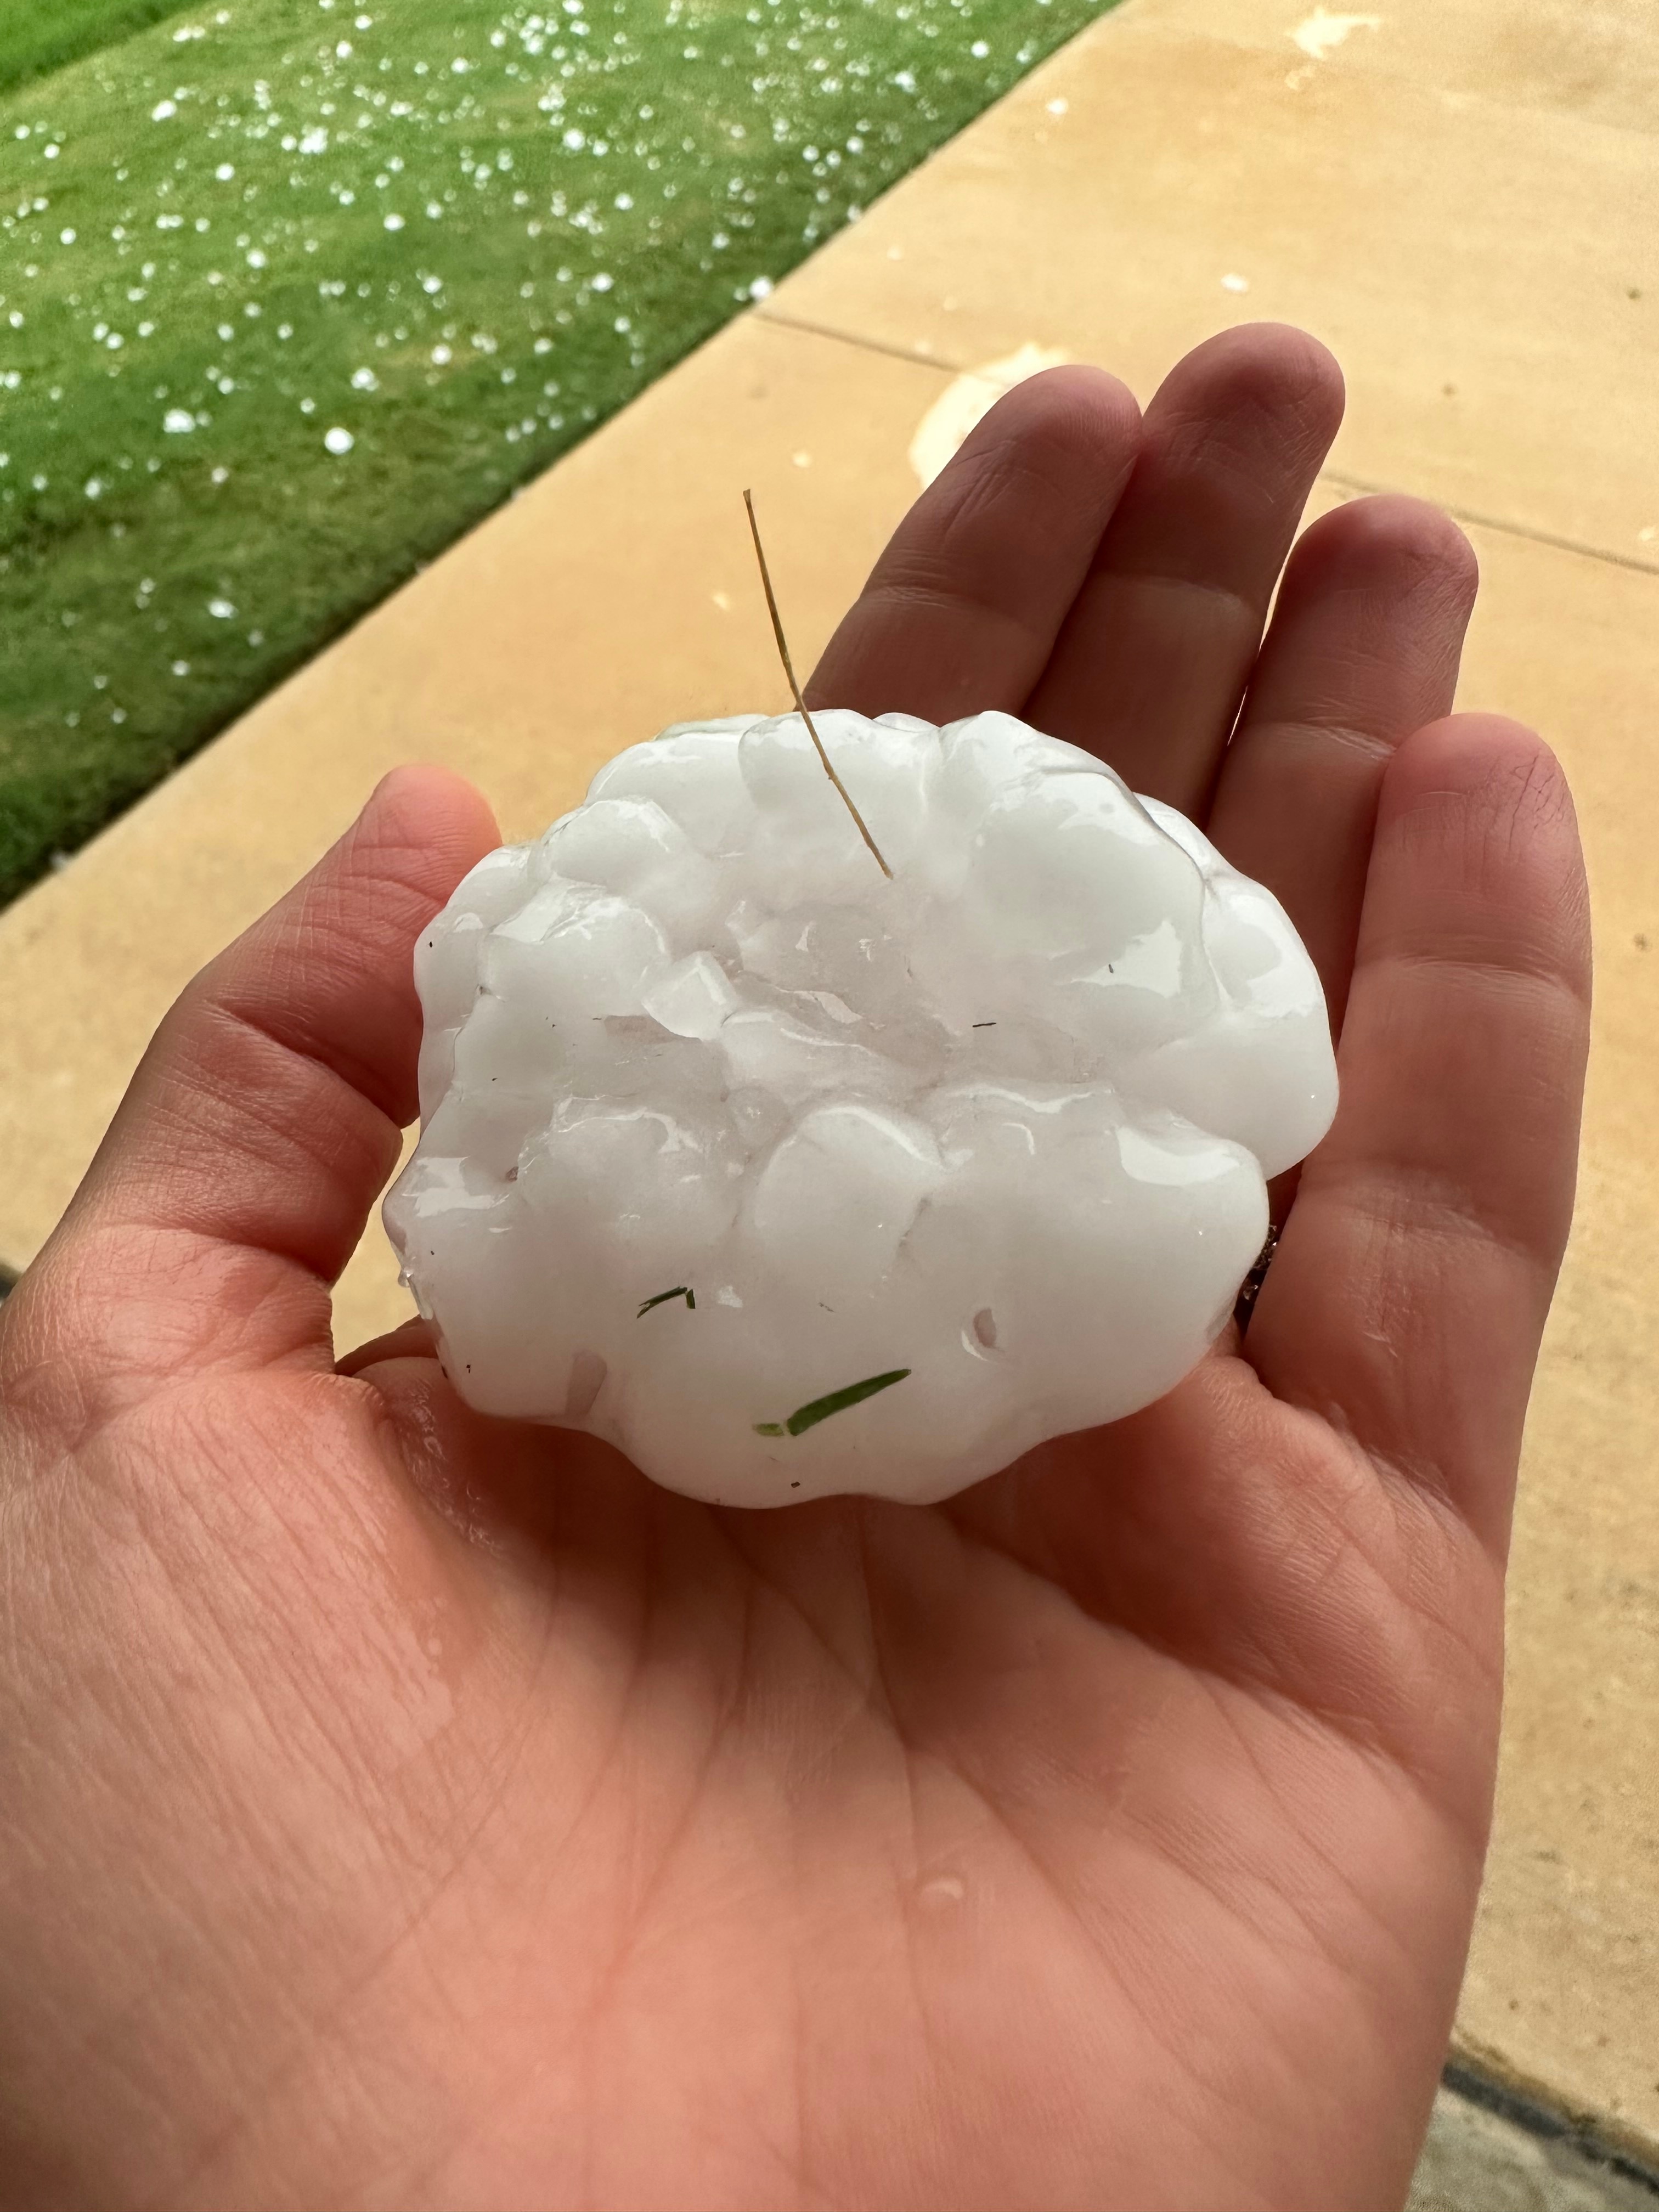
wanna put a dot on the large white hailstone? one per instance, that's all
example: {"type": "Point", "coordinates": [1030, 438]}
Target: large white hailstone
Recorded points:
{"type": "Point", "coordinates": [789, 1179]}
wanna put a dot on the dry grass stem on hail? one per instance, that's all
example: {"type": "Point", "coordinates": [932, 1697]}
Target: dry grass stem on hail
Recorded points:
{"type": "Point", "coordinates": [794, 687]}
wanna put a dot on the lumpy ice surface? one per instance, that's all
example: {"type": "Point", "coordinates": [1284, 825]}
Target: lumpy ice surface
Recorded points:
{"type": "Point", "coordinates": [999, 1128]}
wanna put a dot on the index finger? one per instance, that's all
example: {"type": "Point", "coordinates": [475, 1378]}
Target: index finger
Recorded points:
{"type": "Point", "coordinates": [961, 612]}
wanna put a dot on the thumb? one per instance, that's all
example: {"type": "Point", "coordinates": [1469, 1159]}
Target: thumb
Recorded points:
{"type": "Point", "coordinates": [240, 1169]}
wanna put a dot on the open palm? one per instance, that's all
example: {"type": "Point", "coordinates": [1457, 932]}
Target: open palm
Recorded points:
{"type": "Point", "coordinates": [397, 1807]}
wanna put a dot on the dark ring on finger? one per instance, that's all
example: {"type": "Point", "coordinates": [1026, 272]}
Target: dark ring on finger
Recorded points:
{"type": "Point", "coordinates": [1251, 1288]}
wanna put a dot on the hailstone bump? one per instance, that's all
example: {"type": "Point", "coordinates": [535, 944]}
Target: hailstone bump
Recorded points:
{"type": "Point", "coordinates": [789, 1179]}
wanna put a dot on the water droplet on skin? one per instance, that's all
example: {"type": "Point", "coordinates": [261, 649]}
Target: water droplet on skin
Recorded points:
{"type": "Point", "coordinates": [941, 1892]}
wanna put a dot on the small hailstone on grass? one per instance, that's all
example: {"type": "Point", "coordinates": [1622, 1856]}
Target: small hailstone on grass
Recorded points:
{"type": "Point", "coordinates": [944, 1163]}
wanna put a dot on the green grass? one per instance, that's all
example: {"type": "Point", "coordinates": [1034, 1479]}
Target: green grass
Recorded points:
{"type": "Point", "coordinates": [39, 35]}
{"type": "Point", "coordinates": [293, 291]}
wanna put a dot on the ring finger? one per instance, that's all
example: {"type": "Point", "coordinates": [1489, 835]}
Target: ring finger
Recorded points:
{"type": "Point", "coordinates": [1363, 650]}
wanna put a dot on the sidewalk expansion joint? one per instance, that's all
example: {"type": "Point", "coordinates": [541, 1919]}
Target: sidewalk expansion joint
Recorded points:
{"type": "Point", "coordinates": [1343, 481]}
{"type": "Point", "coordinates": [1339, 479]}
{"type": "Point", "coordinates": [909, 355]}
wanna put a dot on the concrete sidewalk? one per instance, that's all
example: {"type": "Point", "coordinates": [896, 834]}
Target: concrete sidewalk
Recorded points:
{"type": "Point", "coordinates": [1462, 198]}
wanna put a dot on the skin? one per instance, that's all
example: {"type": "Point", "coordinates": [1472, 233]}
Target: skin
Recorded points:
{"type": "Point", "coordinates": [398, 1808]}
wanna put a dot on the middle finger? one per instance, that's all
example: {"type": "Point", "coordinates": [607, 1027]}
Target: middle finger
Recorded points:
{"type": "Point", "coordinates": [1152, 661]}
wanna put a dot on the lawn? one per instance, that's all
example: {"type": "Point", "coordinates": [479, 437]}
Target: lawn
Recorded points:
{"type": "Point", "coordinates": [38, 35]}
{"type": "Point", "coordinates": [293, 291]}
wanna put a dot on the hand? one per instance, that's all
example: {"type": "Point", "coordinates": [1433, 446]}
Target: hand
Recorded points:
{"type": "Point", "coordinates": [398, 1808]}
